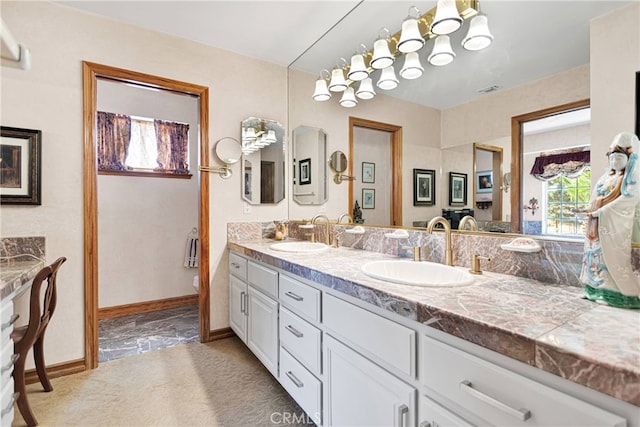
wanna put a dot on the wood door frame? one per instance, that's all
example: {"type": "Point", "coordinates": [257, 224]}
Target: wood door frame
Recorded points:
{"type": "Point", "coordinates": [396, 164]}
{"type": "Point", "coordinates": [516, 153]}
{"type": "Point", "coordinates": [496, 165]}
{"type": "Point", "coordinates": [90, 74]}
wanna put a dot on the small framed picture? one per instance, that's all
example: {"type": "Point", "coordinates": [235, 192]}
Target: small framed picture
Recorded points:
{"type": "Point", "coordinates": [457, 189]}
{"type": "Point", "coordinates": [424, 187]}
{"type": "Point", "coordinates": [305, 171]}
{"type": "Point", "coordinates": [484, 182]}
{"type": "Point", "coordinates": [20, 166]}
{"type": "Point", "coordinates": [368, 198]}
{"type": "Point", "coordinates": [368, 172]}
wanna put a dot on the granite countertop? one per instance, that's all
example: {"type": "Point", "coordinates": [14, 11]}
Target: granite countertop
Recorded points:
{"type": "Point", "coordinates": [551, 327]}
{"type": "Point", "coordinates": [16, 272]}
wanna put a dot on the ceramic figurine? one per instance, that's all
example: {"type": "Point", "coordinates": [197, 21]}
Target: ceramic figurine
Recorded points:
{"type": "Point", "coordinates": [613, 217]}
{"type": "Point", "coordinates": [357, 214]}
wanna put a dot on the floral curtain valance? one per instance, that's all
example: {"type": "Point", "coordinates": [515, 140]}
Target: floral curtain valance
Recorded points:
{"type": "Point", "coordinates": [115, 142]}
{"type": "Point", "coordinates": [566, 164]}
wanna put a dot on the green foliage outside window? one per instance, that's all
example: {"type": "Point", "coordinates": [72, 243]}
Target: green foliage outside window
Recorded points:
{"type": "Point", "coordinates": [566, 198]}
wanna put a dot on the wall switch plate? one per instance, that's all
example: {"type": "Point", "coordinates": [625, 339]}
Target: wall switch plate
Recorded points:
{"type": "Point", "coordinates": [246, 209]}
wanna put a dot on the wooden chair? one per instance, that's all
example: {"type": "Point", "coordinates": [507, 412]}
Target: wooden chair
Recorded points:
{"type": "Point", "coordinates": [41, 310]}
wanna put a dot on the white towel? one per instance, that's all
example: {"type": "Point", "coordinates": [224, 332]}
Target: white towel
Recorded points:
{"type": "Point", "coordinates": [191, 251]}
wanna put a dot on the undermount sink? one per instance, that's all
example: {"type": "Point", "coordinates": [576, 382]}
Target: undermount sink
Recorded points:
{"type": "Point", "coordinates": [416, 273]}
{"type": "Point", "coordinates": [306, 247]}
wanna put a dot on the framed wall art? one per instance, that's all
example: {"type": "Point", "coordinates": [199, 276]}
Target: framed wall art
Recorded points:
{"type": "Point", "coordinates": [484, 182]}
{"type": "Point", "coordinates": [368, 172]}
{"type": "Point", "coordinates": [305, 171]}
{"type": "Point", "coordinates": [368, 198]}
{"type": "Point", "coordinates": [424, 187]}
{"type": "Point", "coordinates": [20, 151]}
{"type": "Point", "coordinates": [457, 189]}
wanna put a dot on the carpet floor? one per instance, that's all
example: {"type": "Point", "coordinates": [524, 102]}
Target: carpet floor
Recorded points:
{"type": "Point", "coordinates": [214, 384]}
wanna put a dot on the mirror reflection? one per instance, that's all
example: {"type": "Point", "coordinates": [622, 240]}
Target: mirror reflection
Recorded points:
{"type": "Point", "coordinates": [309, 165]}
{"type": "Point", "coordinates": [262, 161]}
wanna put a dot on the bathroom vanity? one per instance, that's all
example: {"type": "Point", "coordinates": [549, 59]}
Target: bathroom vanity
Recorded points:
{"type": "Point", "coordinates": [352, 350]}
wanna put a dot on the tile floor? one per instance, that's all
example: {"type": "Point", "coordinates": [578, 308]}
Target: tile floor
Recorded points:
{"type": "Point", "coordinates": [138, 333]}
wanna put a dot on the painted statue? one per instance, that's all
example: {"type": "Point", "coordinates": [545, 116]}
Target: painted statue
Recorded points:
{"type": "Point", "coordinates": [613, 219]}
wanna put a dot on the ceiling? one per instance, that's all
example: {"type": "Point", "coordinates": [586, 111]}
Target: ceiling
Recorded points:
{"type": "Point", "coordinates": [533, 39]}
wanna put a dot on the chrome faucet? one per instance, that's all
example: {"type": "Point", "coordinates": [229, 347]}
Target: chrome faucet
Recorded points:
{"type": "Point", "coordinates": [343, 216]}
{"type": "Point", "coordinates": [468, 219]}
{"type": "Point", "coordinates": [314, 221]}
{"type": "Point", "coordinates": [447, 233]}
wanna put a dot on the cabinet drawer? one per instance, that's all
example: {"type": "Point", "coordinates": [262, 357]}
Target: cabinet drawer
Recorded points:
{"type": "Point", "coordinates": [300, 298]}
{"type": "Point", "coordinates": [238, 266]}
{"type": "Point", "coordinates": [301, 339]}
{"type": "Point", "coordinates": [301, 385]}
{"type": "Point", "coordinates": [503, 397]}
{"type": "Point", "coordinates": [7, 360]}
{"type": "Point", "coordinates": [387, 343]}
{"type": "Point", "coordinates": [263, 278]}
{"type": "Point", "coordinates": [6, 402]}
{"type": "Point", "coordinates": [7, 320]}
{"type": "Point", "coordinates": [432, 414]}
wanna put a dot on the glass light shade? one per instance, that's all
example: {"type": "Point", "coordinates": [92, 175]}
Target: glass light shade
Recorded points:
{"type": "Point", "coordinates": [348, 98]}
{"type": "Point", "coordinates": [365, 89]}
{"type": "Point", "coordinates": [337, 83]}
{"type": "Point", "coordinates": [442, 54]}
{"type": "Point", "coordinates": [410, 39]}
{"type": "Point", "coordinates": [478, 37]}
{"type": "Point", "coordinates": [412, 68]}
{"type": "Point", "coordinates": [358, 71]}
{"type": "Point", "coordinates": [447, 19]}
{"type": "Point", "coordinates": [388, 79]}
{"type": "Point", "coordinates": [322, 92]}
{"type": "Point", "coordinates": [250, 134]}
{"type": "Point", "coordinates": [271, 136]}
{"type": "Point", "coordinates": [382, 57]}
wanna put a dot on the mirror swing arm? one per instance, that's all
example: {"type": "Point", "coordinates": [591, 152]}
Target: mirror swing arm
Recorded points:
{"type": "Point", "coordinates": [228, 150]}
{"type": "Point", "coordinates": [338, 178]}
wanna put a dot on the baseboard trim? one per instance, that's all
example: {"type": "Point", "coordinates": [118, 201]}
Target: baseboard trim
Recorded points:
{"type": "Point", "coordinates": [146, 307]}
{"type": "Point", "coordinates": [219, 334]}
{"type": "Point", "coordinates": [57, 370]}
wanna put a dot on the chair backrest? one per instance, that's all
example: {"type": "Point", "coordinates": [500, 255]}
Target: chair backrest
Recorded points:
{"type": "Point", "coordinates": [39, 316]}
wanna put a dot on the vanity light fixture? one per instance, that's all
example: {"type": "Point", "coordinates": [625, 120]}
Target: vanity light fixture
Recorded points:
{"type": "Point", "coordinates": [348, 98]}
{"type": "Point", "coordinates": [410, 39]}
{"type": "Point", "coordinates": [416, 30]}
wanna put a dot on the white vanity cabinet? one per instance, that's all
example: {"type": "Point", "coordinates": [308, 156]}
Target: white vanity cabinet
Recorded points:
{"type": "Point", "coordinates": [253, 308]}
{"type": "Point", "coordinates": [7, 360]}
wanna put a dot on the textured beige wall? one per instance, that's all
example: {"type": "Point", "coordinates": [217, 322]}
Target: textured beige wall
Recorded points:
{"type": "Point", "coordinates": [49, 97]}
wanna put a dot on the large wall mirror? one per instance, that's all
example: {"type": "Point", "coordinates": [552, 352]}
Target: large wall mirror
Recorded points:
{"type": "Point", "coordinates": [437, 129]}
{"type": "Point", "coordinates": [309, 167]}
{"type": "Point", "coordinates": [263, 173]}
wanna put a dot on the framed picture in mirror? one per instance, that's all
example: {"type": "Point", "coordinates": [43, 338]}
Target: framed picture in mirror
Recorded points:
{"type": "Point", "coordinates": [424, 187]}
{"type": "Point", "coordinates": [484, 182]}
{"type": "Point", "coordinates": [20, 166]}
{"type": "Point", "coordinates": [305, 171]}
{"type": "Point", "coordinates": [368, 198]}
{"type": "Point", "coordinates": [368, 172]}
{"type": "Point", "coordinates": [457, 189]}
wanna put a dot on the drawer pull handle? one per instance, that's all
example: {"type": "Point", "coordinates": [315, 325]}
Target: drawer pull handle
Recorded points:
{"type": "Point", "coordinates": [294, 296]}
{"type": "Point", "coordinates": [295, 379]}
{"type": "Point", "coordinates": [521, 414]}
{"type": "Point", "coordinates": [12, 361]}
{"type": "Point", "coordinates": [242, 302]}
{"type": "Point", "coordinates": [294, 331]}
{"type": "Point", "coordinates": [425, 424]}
{"type": "Point", "coordinates": [235, 265]}
{"type": "Point", "coordinates": [9, 407]}
{"type": "Point", "coordinates": [402, 410]}
{"type": "Point", "coordinates": [11, 321]}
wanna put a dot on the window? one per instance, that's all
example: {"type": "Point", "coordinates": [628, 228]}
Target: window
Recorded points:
{"type": "Point", "coordinates": [135, 145]}
{"type": "Point", "coordinates": [565, 197]}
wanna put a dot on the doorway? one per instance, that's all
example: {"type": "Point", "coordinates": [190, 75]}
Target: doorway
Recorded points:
{"type": "Point", "coordinates": [391, 189]}
{"type": "Point", "coordinates": [487, 194]}
{"type": "Point", "coordinates": [91, 74]}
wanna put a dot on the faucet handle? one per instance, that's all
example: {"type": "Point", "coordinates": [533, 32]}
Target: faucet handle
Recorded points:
{"type": "Point", "coordinates": [475, 263]}
{"type": "Point", "coordinates": [417, 251]}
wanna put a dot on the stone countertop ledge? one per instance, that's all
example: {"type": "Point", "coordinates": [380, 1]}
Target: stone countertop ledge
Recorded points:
{"type": "Point", "coordinates": [15, 273]}
{"type": "Point", "coordinates": [551, 327]}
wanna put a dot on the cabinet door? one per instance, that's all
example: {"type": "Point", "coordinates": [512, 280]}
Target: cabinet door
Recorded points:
{"type": "Point", "coordinates": [262, 333]}
{"type": "Point", "coordinates": [360, 393]}
{"type": "Point", "coordinates": [237, 307]}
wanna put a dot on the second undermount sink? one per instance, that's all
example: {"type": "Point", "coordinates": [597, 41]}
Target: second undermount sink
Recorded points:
{"type": "Point", "coordinates": [300, 247]}
{"type": "Point", "coordinates": [422, 273]}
